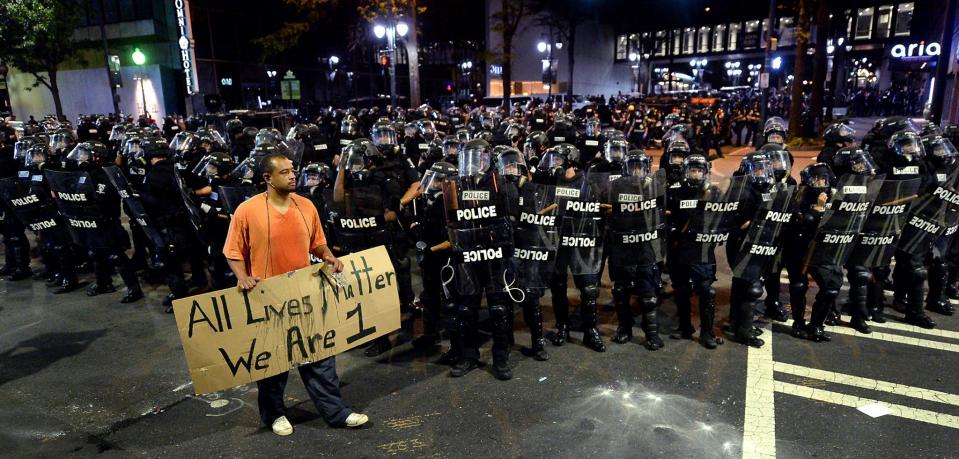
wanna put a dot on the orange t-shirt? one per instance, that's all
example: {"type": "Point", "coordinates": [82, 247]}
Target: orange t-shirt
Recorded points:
{"type": "Point", "coordinates": [272, 243]}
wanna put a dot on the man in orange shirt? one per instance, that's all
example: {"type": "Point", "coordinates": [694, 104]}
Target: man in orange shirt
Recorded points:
{"type": "Point", "coordinates": [273, 233]}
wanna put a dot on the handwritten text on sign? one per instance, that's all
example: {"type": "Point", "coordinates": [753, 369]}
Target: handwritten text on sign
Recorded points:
{"type": "Point", "coordinates": [232, 338]}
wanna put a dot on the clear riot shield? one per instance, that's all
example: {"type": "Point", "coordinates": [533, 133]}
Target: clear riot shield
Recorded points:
{"type": "Point", "coordinates": [842, 221]}
{"type": "Point", "coordinates": [480, 234]}
{"type": "Point", "coordinates": [134, 206]}
{"type": "Point", "coordinates": [76, 197]}
{"type": "Point", "coordinates": [358, 220]}
{"type": "Point", "coordinates": [886, 219]}
{"type": "Point", "coordinates": [580, 205]}
{"type": "Point", "coordinates": [712, 222]}
{"type": "Point", "coordinates": [34, 208]}
{"type": "Point", "coordinates": [930, 217]}
{"type": "Point", "coordinates": [761, 245]}
{"type": "Point", "coordinates": [636, 232]}
{"type": "Point", "coordinates": [536, 236]}
{"type": "Point", "coordinates": [232, 196]}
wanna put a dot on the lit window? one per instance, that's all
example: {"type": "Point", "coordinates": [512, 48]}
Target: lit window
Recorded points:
{"type": "Point", "coordinates": [689, 40]}
{"type": "Point", "coordinates": [719, 37]}
{"type": "Point", "coordinates": [661, 43]}
{"type": "Point", "coordinates": [904, 18]}
{"type": "Point", "coordinates": [864, 24]}
{"type": "Point", "coordinates": [677, 37]}
{"type": "Point", "coordinates": [621, 45]}
{"type": "Point", "coordinates": [885, 20]}
{"type": "Point", "coordinates": [734, 36]}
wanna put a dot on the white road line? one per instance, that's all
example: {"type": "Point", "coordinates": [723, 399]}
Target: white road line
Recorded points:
{"type": "Point", "coordinates": [759, 423]}
{"type": "Point", "coordinates": [938, 345]}
{"type": "Point", "coordinates": [889, 337]}
{"type": "Point", "coordinates": [852, 401]}
{"type": "Point", "coordinates": [911, 328]}
{"type": "Point", "coordinates": [866, 383]}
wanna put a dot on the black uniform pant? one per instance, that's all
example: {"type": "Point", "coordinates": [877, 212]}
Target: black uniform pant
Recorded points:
{"type": "Point", "coordinates": [743, 296]}
{"type": "Point", "coordinates": [465, 333]}
{"type": "Point", "coordinates": [433, 298]}
{"type": "Point", "coordinates": [642, 281]}
{"type": "Point", "coordinates": [828, 278]}
{"type": "Point", "coordinates": [588, 285]}
{"type": "Point", "coordinates": [910, 278]}
{"type": "Point", "coordinates": [15, 244]}
{"type": "Point", "coordinates": [105, 261]}
{"type": "Point", "coordinates": [694, 278]}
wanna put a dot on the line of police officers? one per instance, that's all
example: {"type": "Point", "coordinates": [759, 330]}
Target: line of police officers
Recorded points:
{"type": "Point", "coordinates": [506, 207]}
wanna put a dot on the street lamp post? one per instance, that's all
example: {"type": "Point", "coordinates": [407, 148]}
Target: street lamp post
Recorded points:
{"type": "Point", "coordinates": [546, 46]}
{"type": "Point", "coordinates": [634, 64]}
{"type": "Point", "coordinates": [139, 59]}
{"type": "Point", "coordinates": [699, 67]}
{"type": "Point", "coordinates": [390, 30]}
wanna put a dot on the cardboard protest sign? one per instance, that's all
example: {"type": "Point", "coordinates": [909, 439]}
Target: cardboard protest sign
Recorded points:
{"type": "Point", "coordinates": [232, 338]}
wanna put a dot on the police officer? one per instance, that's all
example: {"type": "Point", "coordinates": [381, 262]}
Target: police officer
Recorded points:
{"type": "Point", "coordinates": [216, 169]}
{"type": "Point", "coordinates": [636, 242]}
{"type": "Point", "coordinates": [814, 194]}
{"type": "Point", "coordinates": [432, 251]}
{"type": "Point", "coordinates": [534, 147]}
{"type": "Point", "coordinates": [476, 215]}
{"type": "Point", "coordinates": [535, 236]}
{"type": "Point", "coordinates": [16, 246]}
{"type": "Point", "coordinates": [590, 143]}
{"type": "Point", "coordinates": [161, 196]}
{"type": "Point", "coordinates": [691, 274]}
{"type": "Point", "coordinates": [89, 157]}
{"type": "Point", "coordinates": [780, 162]}
{"type": "Point", "coordinates": [579, 201]}
{"type": "Point", "coordinates": [747, 287]}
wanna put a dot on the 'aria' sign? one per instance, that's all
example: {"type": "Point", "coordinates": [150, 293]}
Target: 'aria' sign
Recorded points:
{"type": "Point", "coordinates": [920, 50]}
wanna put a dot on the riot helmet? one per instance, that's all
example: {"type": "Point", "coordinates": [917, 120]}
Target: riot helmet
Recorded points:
{"type": "Point", "coordinates": [593, 128]}
{"type": "Point", "coordinates": [839, 134]}
{"type": "Point", "coordinates": [906, 145]}
{"type": "Point", "coordinates": [695, 170]}
{"type": "Point", "coordinates": [852, 160]}
{"type": "Point", "coordinates": [510, 162]}
{"type": "Point", "coordinates": [475, 159]}
{"type": "Point", "coordinates": [637, 164]}
{"type": "Point", "coordinates": [941, 151]}
{"type": "Point", "coordinates": [818, 177]}
{"type": "Point", "coordinates": [758, 170]}
{"type": "Point", "coordinates": [779, 160]}
{"type": "Point", "coordinates": [315, 175]}
{"type": "Point", "coordinates": [615, 150]}
{"type": "Point", "coordinates": [774, 130]}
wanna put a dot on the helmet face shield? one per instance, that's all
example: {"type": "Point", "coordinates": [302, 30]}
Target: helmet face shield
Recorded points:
{"type": "Point", "coordinates": [474, 159]}
{"type": "Point", "coordinates": [779, 163]}
{"type": "Point", "coordinates": [907, 145]}
{"type": "Point", "coordinates": [942, 151]}
{"type": "Point", "coordinates": [818, 177]}
{"type": "Point", "coordinates": [636, 166]}
{"type": "Point", "coordinates": [511, 163]}
{"type": "Point", "coordinates": [383, 135]}
{"type": "Point", "coordinates": [592, 128]}
{"type": "Point", "coordinates": [81, 153]}
{"type": "Point", "coordinates": [552, 160]}
{"type": "Point", "coordinates": [759, 171]}
{"type": "Point", "coordinates": [615, 150]}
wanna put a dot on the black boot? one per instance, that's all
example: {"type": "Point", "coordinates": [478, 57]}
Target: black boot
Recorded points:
{"type": "Point", "coordinates": [861, 326]}
{"type": "Point", "coordinates": [816, 333]}
{"type": "Point", "coordinates": [685, 329]}
{"type": "Point", "coordinates": [561, 335]}
{"type": "Point", "coordinates": [591, 336]}
{"type": "Point", "coordinates": [100, 289]}
{"type": "Point", "coordinates": [501, 369]}
{"type": "Point", "coordinates": [533, 316]}
{"type": "Point", "coordinates": [707, 314]}
{"type": "Point", "coordinates": [776, 311]}
{"type": "Point", "coordinates": [378, 346]}
{"type": "Point", "coordinates": [799, 328]}
{"type": "Point", "coordinates": [623, 335]}
{"type": "Point", "coordinates": [920, 320]}
{"type": "Point", "coordinates": [462, 367]}
{"type": "Point", "coordinates": [651, 329]}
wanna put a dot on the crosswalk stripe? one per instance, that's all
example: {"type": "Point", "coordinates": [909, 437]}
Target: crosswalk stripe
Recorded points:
{"type": "Point", "coordinates": [911, 328]}
{"type": "Point", "coordinates": [892, 338]}
{"type": "Point", "coordinates": [759, 422]}
{"type": "Point", "coordinates": [866, 383]}
{"type": "Point", "coordinates": [852, 401]}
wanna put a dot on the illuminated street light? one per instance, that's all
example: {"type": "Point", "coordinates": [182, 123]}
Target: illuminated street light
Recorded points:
{"type": "Point", "coordinates": [379, 31]}
{"type": "Point", "coordinates": [402, 28]}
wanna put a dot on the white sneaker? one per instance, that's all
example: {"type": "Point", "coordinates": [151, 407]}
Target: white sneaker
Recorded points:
{"type": "Point", "coordinates": [282, 426]}
{"type": "Point", "coordinates": [355, 420]}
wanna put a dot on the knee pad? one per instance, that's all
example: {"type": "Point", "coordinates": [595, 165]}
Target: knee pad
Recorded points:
{"type": "Point", "coordinates": [498, 312]}
{"type": "Point", "coordinates": [754, 291]}
{"type": "Point", "coordinates": [463, 311]}
{"type": "Point", "coordinates": [402, 263]}
{"type": "Point", "coordinates": [937, 265]}
{"type": "Point", "coordinates": [802, 285]}
{"type": "Point", "coordinates": [831, 293]}
{"type": "Point", "coordinates": [919, 274]}
{"type": "Point", "coordinates": [648, 303]}
{"type": "Point", "coordinates": [621, 290]}
{"type": "Point", "coordinates": [590, 292]}
{"type": "Point", "coordinates": [860, 276]}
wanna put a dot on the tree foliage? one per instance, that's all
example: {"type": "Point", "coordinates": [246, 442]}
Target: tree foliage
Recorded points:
{"type": "Point", "coordinates": [35, 37]}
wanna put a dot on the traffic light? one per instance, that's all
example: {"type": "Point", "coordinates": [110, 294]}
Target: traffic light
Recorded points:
{"type": "Point", "coordinates": [138, 57]}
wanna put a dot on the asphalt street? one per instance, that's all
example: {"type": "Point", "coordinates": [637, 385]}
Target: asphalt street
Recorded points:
{"type": "Point", "coordinates": [90, 376]}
